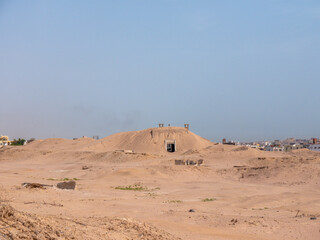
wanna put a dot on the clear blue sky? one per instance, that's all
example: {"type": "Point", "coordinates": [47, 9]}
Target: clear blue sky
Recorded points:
{"type": "Point", "coordinates": [243, 70]}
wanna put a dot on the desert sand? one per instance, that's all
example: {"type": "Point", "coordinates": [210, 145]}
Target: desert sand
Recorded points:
{"type": "Point", "coordinates": [128, 187]}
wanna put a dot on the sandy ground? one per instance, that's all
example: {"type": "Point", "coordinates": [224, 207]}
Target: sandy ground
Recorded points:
{"type": "Point", "coordinates": [238, 193]}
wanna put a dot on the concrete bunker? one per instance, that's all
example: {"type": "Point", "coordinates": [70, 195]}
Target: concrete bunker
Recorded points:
{"type": "Point", "coordinates": [170, 145]}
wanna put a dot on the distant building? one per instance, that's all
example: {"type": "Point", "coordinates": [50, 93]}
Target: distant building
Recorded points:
{"type": "Point", "coordinates": [315, 147]}
{"type": "Point", "coordinates": [274, 148]}
{"type": "Point", "coordinates": [4, 141]}
{"type": "Point", "coordinates": [277, 142]}
{"type": "Point", "coordinates": [290, 147]}
{"type": "Point", "coordinates": [224, 141]}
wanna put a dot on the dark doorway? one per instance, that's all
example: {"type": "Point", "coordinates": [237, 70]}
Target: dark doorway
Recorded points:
{"type": "Point", "coordinates": [171, 147]}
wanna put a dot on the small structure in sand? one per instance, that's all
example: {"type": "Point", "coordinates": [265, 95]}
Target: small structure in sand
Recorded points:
{"type": "Point", "coordinates": [189, 162]}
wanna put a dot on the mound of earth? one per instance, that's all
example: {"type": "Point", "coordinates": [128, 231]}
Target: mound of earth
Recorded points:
{"type": "Point", "coordinates": [153, 140]}
{"type": "Point", "coordinates": [150, 140]}
{"type": "Point", "coordinates": [20, 225]}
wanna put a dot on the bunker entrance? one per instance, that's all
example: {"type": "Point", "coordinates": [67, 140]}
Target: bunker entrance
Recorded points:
{"type": "Point", "coordinates": [170, 145]}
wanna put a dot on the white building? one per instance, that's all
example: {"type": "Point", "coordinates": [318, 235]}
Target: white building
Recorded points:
{"type": "Point", "coordinates": [4, 141]}
{"type": "Point", "coordinates": [273, 149]}
{"type": "Point", "coordinates": [314, 147]}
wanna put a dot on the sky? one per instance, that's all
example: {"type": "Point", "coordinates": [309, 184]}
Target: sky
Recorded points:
{"type": "Point", "coordinates": [242, 70]}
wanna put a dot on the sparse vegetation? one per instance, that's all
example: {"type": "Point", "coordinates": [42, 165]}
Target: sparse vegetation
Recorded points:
{"type": "Point", "coordinates": [18, 142]}
{"type": "Point", "coordinates": [153, 195]}
{"type": "Point", "coordinates": [209, 199]}
{"type": "Point", "coordinates": [136, 187]}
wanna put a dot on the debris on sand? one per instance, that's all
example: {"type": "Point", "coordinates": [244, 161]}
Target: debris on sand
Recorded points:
{"type": "Point", "coordinates": [35, 185]}
{"type": "Point", "coordinates": [179, 162]}
{"type": "Point", "coordinates": [71, 185]}
{"type": "Point", "coordinates": [244, 167]}
{"type": "Point", "coordinates": [189, 162]}
{"type": "Point", "coordinates": [233, 221]}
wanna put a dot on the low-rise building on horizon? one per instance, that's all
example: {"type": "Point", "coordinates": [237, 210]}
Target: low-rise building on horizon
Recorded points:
{"type": "Point", "coordinates": [4, 141]}
{"type": "Point", "coordinates": [315, 147]}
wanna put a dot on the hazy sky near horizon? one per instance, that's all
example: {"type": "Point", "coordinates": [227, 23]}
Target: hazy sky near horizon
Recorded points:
{"type": "Point", "coordinates": [243, 70]}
